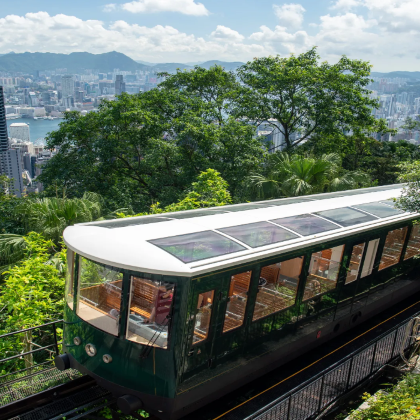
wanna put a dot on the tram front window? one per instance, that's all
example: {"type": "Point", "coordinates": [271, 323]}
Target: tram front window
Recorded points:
{"type": "Point", "coordinates": [150, 312]}
{"type": "Point", "coordinates": [99, 297]}
{"type": "Point", "coordinates": [277, 287]}
{"type": "Point", "coordinates": [70, 278]}
{"type": "Point", "coordinates": [323, 271]}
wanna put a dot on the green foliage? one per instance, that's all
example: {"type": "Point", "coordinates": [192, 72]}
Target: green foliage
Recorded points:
{"type": "Point", "coordinates": [410, 198]}
{"type": "Point", "coordinates": [300, 95]}
{"type": "Point", "coordinates": [402, 402]}
{"type": "Point", "coordinates": [293, 175]}
{"type": "Point", "coordinates": [10, 219]}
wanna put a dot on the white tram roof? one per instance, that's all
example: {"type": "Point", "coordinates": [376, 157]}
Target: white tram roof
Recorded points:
{"type": "Point", "coordinates": [194, 242]}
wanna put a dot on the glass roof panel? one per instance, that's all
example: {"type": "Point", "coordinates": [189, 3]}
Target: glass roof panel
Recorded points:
{"type": "Point", "coordinates": [129, 221]}
{"type": "Point", "coordinates": [379, 209]}
{"type": "Point", "coordinates": [191, 214]}
{"type": "Point", "coordinates": [285, 201]}
{"type": "Point", "coordinates": [259, 234]}
{"type": "Point", "coordinates": [246, 206]}
{"type": "Point", "coordinates": [306, 224]}
{"type": "Point", "coordinates": [324, 196]}
{"type": "Point", "coordinates": [197, 246]}
{"type": "Point", "coordinates": [346, 216]}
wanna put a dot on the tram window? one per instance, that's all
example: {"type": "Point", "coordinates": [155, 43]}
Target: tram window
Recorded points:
{"type": "Point", "coordinates": [354, 265]}
{"type": "Point", "coordinates": [99, 297]}
{"type": "Point", "coordinates": [277, 288]}
{"type": "Point", "coordinates": [370, 258]}
{"type": "Point", "coordinates": [394, 243]}
{"type": "Point", "coordinates": [238, 296]}
{"type": "Point", "coordinates": [413, 246]}
{"type": "Point", "coordinates": [323, 271]}
{"type": "Point", "coordinates": [203, 317]}
{"type": "Point", "coordinates": [150, 310]}
{"type": "Point", "coordinates": [70, 278]}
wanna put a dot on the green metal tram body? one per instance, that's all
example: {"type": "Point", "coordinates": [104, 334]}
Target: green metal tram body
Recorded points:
{"type": "Point", "coordinates": [171, 382]}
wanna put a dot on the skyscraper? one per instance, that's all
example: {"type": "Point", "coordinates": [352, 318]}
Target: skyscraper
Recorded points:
{"type": "Point", "coordinates": [20, 131]}
{"type": "Point", "coordinates": [67, 85]}
{"type": "Point", "coordinates": [119, 84]}
{"type": "Point", "coordinates": [4, 140]}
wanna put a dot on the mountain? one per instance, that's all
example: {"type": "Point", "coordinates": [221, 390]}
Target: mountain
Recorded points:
{"type": "Point", "coordinates": [403, 74]}
{"type": "Point", "coordinates": [74, 62]}
{"type": "Point", "coordinates": [233, 65]}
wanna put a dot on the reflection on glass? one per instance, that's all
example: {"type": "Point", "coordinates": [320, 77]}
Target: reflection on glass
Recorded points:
{"type": "Point", "coordinates": [99, 298]}
{"type": "Point", "coordinates": [394, 243]}
{"type": "Point", "coordinates": [238, 296]}
{"type": "Point", "coordinates": [150, 311]}
{"type": "Point", "coordinates": [346, 216]}
{"type": "Point", "coordinates": [413, 246]}
{"type": "Point", "coordinates": [370, 258]}
{"type": "Point", "coordinates": [259, 234]}
{"type": "Point", "coordinates": [277, 287]}
{"type": "Point", "coordinates": [379, 209]}
{"type": "Point", "coordinates": [323, 271]}
{"type": "Point", "coordinates": [197, 246]}
{"type": "Point", "coordinates": [203, 317]}
{"type": "Point", "coordinates": [354, 265]}
{"type": "Point", "coordinates": [69, 278]}
{"type": "Point", "coordinates": [306, 224]}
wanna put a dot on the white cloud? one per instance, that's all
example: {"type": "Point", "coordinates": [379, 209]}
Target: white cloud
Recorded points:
{"type": "Point", "coordinates": [345, 5]}
{"type": "Point", "coordinates": [289, 15]}
{"type": "Point", "coordinates": [109, 7]}
{"type": "Point", "coordinates": [226, 34]}
{"type": "Point", "coordinates": [186, 7]}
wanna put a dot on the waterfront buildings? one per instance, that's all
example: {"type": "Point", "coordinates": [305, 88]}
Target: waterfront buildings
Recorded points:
{"type": "Point", "coordinates": [20, 131]}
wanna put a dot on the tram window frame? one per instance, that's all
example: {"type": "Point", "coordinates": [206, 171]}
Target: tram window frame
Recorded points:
{"type": "Point", "coordinates": [117, 319]}
{"type": "Point", "coordinates": [415, 227]}
{"type": "Point", "coordinates": [359, 268]}
{"type": "Point", "coordinates": [197, 312]}
{"type": "Point", "coordinates": [70, 278]}
{"type": "Point", "coordinates": [298, 280]}
{"type": "Point", "coordinates": [337, 279]}
{"type": "Point", "coordinates": [386, 248]}
{"type": "Point", "coordinates": [170, 286]}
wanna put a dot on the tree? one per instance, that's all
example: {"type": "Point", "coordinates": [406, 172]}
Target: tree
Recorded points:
{"type": "Point", "coordinates": [410, 125]}
{"type": "Point", "coordinates": [301, 97]}
{"type": "Point", "coordinates": [298, 175]}
{"type": "Point", "coordinates": [410, 197]}
{"type": "Point", "coordinates": [155, 144]}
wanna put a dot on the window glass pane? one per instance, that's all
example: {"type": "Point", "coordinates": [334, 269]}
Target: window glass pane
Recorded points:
{"type": "Point", "coordinates": [99, 299]}
{"type": "Point", "coordinates": [346, 216]}
{"type": "Point", "coordinates": [306, 224]}
{"type": "Point", "coordinates": [370, 258]}
{"type": "Point", "coordinates": [70, 278]}
{"type": "Point", "coordinates": [277, 287]}
{"type": "Point", "coordinates": [150, 311]}
{"type": "Point", "coordinates": [354, 265]}
{"type": "Point", "coordinates": [379, 209]}
{"type": "Point", "coordinates": [197, 246]}
{"type": "Point", "coordinates": [413, 246]}
{"type": "Point", "coordinates": [393, 247]}
{"type": "Point", "coordinates": [203, 317]}
{"type": "Point", "coordinates": [323, 271]}
{"type": "Point", "coordinates": [286, 201]}
{"type": "Point", "coordinates": [195, 213]}
{"type": "Point", "coordinates": [259, 234]}
{"type": "Point", "coordinates": [130, 221]}
{"type": "Point", "coordinates": [238, 296]}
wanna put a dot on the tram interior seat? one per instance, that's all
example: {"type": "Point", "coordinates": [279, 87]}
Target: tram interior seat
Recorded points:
{"type": "Point", "coordinates": [103, 297]}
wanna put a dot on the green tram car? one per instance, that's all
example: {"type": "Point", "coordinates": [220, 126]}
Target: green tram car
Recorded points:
{"type": "Point", "coordinates": [172, 311]}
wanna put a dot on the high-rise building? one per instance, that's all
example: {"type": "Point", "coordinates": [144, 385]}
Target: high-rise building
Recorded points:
{"type": "Point", "coordinates": [20, 131]}
{"type": "Point", "coordinates": [67, 85]}
{"type": "Point", "coordinates": [4, 139]}
{"type": "Point", "coordinates": [119, 84]}
{"type": "Point", "coordinates": [10, 159]}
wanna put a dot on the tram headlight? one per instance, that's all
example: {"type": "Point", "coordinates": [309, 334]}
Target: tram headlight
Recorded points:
{"type": "Point", "coordinates": [90, 349]}
{"type": "Point", "coordinates": [77, 341]}
{"type": "Point", "coordinates": [107, 358]}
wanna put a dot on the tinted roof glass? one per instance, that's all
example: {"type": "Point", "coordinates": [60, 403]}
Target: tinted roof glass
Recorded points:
{"type": "Point", "coordinates": [259, 234]}
{"type": "Point", "coordinates": [197, 246]}
{"type": "Point", "coordinates": [191, 214]}
{"type": "Point", "coordinates": [129, 221]}
{"type": "Point", "coordinates": [306, 224]}
{"type": "Point", "coordinates": [285, 201]}
{"type": "Point", "coordinates": [324, 196]}
{"type": "Point", "coordinates": [247, 206]}
{"type": "Point", "coordinates": [346, 216]}
{"type": "Point", "coordinates": [379, 209]}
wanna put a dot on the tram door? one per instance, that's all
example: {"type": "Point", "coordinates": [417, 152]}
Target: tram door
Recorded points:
{"type": "Point", "coordinates": [203, 309]}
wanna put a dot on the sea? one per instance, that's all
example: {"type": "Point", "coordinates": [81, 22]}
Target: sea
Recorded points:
{"type": "Point", "coordinates": [38, 128]}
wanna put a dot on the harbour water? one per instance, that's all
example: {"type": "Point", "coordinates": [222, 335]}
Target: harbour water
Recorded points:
{"type": "Point", "coordinates": [38, 128]}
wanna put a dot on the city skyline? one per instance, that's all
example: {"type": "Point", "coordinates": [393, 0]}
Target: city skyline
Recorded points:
{"type": "Point", "coordinates": [384, 32]}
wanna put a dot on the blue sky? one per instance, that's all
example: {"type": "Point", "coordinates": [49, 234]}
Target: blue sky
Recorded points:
{"type": "Point", "coordinates": [384, 32]}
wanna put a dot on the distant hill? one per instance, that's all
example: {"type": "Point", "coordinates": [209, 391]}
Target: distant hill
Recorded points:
{"type": "Point", "coordinates": [74, 62]}
{"type": "Point", "coordinates": [172, 67]}
{"type": "Point", "coordinates": [226, 64]}
{"type": "Point", "coordinates": [403, 74]}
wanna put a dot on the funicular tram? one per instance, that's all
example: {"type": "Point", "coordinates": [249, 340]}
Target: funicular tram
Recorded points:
{"type": "Point", "coordinates": [172, 311]}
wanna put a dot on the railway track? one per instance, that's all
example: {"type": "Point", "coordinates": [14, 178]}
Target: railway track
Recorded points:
{"type": "Point", "coordinates": [83, 398]}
